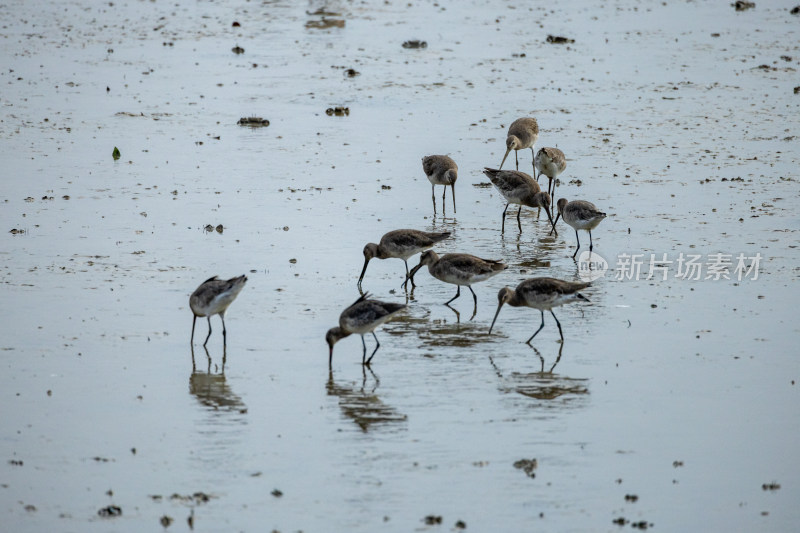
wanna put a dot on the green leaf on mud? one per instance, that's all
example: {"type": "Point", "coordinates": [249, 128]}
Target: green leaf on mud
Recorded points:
{"type": "Point", "coordinates": [115, 154]}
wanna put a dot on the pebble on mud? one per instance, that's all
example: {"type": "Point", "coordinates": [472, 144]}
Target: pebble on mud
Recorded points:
{"type": "Point", "coordinates": [253, 122]}
{"type": "Point", "coordinates": [338, 111]}
{"type": "Point", "coordinates": [415, 43]}
{"type": "Point", "coordinates": [237, 50]}
{"type": "Point", "coordinates": [559, 39]}
{"type": "Point", "coordinates": [461, 524]}
{"type": "Point", "coordinates": [110, 511]}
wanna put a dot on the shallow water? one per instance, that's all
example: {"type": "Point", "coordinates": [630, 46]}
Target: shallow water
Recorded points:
{"type": "Point", "coordinates": [682, 393]}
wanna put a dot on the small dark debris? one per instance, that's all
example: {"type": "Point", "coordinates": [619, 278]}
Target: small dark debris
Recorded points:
{"type": "Point", "coordinates": [386, 187]}
{"type": "Point", "coordinates": [110, 511]}
{"type": "Point", "coordinates": [236, 24]}
{"type": "Point", "coordinates": [559, 39]}
{"type": "Point", "coordinates": [166, 521]}
{"type": "Point", "coordinates": [237, 49]}
{"type": "Point", "coordinates": [770, 486]}
{"type": "Point", "coordinates": [338, 111]}
{"type": "Point", "coordinates": [30, 508]}
{"type": "Point", "coordinates": [15, 462]}
{"type": "Point", "coordinates": [527, 465]}
{"type": "Point", "coordinates": [432, 520]}
{"type": "Point", "coordinates": [795, 10]}
{"type": "Point", "coordinates": [741, 5]}
{"type": "Point", "coordinates": [461, 525]}
{"type": "Point", "coordinates": [277, 493]}
{"type": "Point", "coordinates": [797, 90]}
{"type": "Point", "coordinates": [351, 73]}
{"type": "Point", "coordinates": [676, 464]}
{"type": "Point", "coordinates": [621, 521]}
{"type": "Point", "coordinates": [631, 498]}
{"type": "Point", "coordinates": [253, 122]}
{"type": "Point", "coordinates": [209, 228]}
{"type": "Point", "coordinates": [642, 524]}
{"type": "Point", "coordinates": [219, 228]}
{"type": "Point", "coordinates": [15, 231]}
{"type": "Point", "coordinates": [715, 34]}
{"type": "Point", "coordinates": [415, 43]}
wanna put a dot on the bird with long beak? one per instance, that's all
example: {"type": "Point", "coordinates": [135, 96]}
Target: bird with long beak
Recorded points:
{"type": "Point", "coordinates": [459, 269]}
{"type": "Point", "coordinates": [519, 188]}
{"type": "Point", "coordinates": [523, 133]}
{"type": "Point", "coordinates": [401, 243]}
{"type": "Point", "coordinates": [441, 170]}
{"type": "Point", "coordinates": [361, 317]}
{"type": "Point", "coordinates": [543, 294]}
{"type": "Point", "coordinates": [579, 214]}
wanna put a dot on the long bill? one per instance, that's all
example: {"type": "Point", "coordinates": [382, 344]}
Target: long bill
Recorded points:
{"type": "Point", "coordinates": [504, 158]}
{"type": "Point", "coordinates": [410, 275]}
{"type": "Point", "coordinates": [551, 221]}
{"type": "Point", "coordinates": [554, 224]}
{"type": "Point", "coordinates": [499, 306]}
{"type": "Point", "coordinates": [363, 271]}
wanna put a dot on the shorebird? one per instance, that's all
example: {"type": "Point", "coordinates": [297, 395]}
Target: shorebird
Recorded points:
{"type": "Point", "coordinates": [519, 188]}
{"type": "Point", "coordinates": [459, 269]}
{"type": "Point", "coordinates": [523, 133]}
{"type": "Point", "coordinates": [363, 316]}
{"type": "Point", "coordinates": [213, 297]}
{"type": "Point", "coordinates": [400, 243]}
{"type": "Point", "coordinates": [441, 170]}
{"type": "Point", "coordinates": [551, 163]}
{"type": "Point", "coordinates": [542, 294]}
{"type": "Point", "coordinates": [579, 214]}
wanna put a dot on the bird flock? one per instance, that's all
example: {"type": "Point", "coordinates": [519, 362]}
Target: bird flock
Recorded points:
{"type": "Point", "coordinates": [365, 315]}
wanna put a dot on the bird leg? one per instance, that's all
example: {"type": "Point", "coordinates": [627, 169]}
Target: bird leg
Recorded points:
{"type": "Point", "coordinates": [579, 244]}
{"type": "Point", "coordinates": [503, 228]}
{"type": "Point", "coordinates": [363, 355]}
{"type": "Point", "coordinates": [405, 283]}
{"type": "Point", "coordinates": [377, 345]}
{"type": "Point", "coordinates": [209, 331]}
{"type": "Point", "coordinates": [538, 330]}
{"type": "Point", "coordinates": [433, 196]}
{"type": "Point", "coordinates": [475, 299]}
{"type": "Point", "coordinates": [516, 159]}
{"type": "Point", "coordinates": [453, 187]}
{"type": "Point", "coordinates": [224, 333]}
{"type": "Point", "coordinates": [533, 162]}
{"type": "Point", "coordinates": [590, 241]}
{"type": "Point", "coordinates": [519, 224]}
{"type": "Point", "coordinates": [557, 324]}
{"type": "Point", "coordinates": [191, 341]}
{"type": "Point", "coordinates": [458, 293]}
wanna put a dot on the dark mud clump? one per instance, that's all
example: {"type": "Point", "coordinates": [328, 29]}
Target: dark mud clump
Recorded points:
{"type": "Point", "coordinates": [415, 43]}
{"type": "Point", "coordinates": [337, 111]}
{"type": "Point", "coordinates": [351, 73]}
{"type": "Point", "coordinates": [432, 520]}
{"type": "Point", "coordinates": [237, 50]}
{"type": "Point", "coordinates": [110, 511]}
{"type": "Point", "coordinates": [795, 10]}
{"type": "Point", "coordinates": [741, 5]}
{"type": "Point", "coordinates": [253, 122]}
{"type": "Point", "coordinates": [528, 466]}
{"type": "Point", "coordinates": [559, 39]}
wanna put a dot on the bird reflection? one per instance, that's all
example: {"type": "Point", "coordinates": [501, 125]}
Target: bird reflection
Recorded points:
{"type": "Point", "coordinates": [543, 385]}
{"type": "Point", "coordinates": [212, 390]}
{"type": "Point", "coordinates": [361, 404]}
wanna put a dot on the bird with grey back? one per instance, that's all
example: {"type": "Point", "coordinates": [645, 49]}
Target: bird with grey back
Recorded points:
{"type": "Point", "coordinates": [543, 294]}
{"type": "Point", "coordinates": [213, 297]}
{"type": "Point", "coordinates": [361, 317]}
{"type": "Point", "coordinates": [441, 170]}
{"type": "Point", "coordinates": [523, 133]}
{"type": "Point", "coordinates": [580, 214]}
{"type": "Point", "coordinates": [550, 162]}
{"type": "Point", "coordinates": [518, 188]}
{"type": "Point", "coordinates": [402, 244]}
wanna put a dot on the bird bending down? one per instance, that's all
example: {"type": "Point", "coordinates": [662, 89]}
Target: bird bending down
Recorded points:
{"type": "Point", "coordinates": [213, 297]}
{"type": "Point", "coordinates": [519, 188]}
{"type": "Point", "coordinates": [543, 294]}
{"type": "Point", "coordinates": [441, 170]}
{"type": "Point", "coordinates": [459, 269]}
{"type": "Point", "coordinates": [579, 214]}
{"type": "Point", "coordinates": [400, 243]}
{"type": "Point", "coordinates": [523, 133]}
{"type": "Point", "coordinates": [550, 162]}
{"type": "Point", "coordinates": [363, 316]}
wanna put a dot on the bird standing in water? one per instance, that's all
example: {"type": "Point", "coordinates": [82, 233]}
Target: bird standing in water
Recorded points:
{"type": "Point", "coordinates": [441, 170]}
{"type": "Point", "coordinates": [518, 188]}
{"type": "Point", "coordinates": [523, 133]}
{"type": "Point", "coordinates": [213, 297]}
{"type": "Point", "coordinates": [362, 316]}
{"type": "Point", "coordinates": [400, 243]}
{"type": "Point", "coordinates": [543, 294]}
{"type": "Point", "coordinates": [580, 214]}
